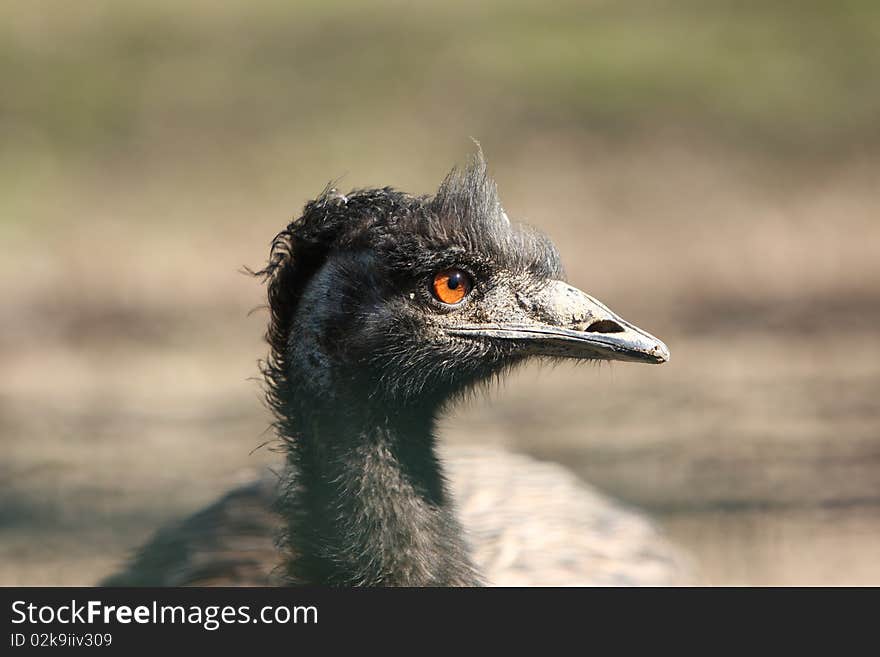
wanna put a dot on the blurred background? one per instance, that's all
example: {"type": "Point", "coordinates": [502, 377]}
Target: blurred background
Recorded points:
{"type": "Point", "coordinates": [709, 169]}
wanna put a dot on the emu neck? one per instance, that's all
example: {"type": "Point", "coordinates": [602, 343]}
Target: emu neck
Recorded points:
{"type": "Point", "coordinates": [367, 506]}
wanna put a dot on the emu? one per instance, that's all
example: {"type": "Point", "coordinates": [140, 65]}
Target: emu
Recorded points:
{"type": "Point", "coordinates": [385, 309]}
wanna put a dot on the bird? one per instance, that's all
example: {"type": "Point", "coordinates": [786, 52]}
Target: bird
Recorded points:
{"type": "Point", "coordinates": [385, 311]}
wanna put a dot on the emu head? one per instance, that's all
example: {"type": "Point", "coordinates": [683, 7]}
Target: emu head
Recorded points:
{"type": "Point", "coordinates": [406, 301]}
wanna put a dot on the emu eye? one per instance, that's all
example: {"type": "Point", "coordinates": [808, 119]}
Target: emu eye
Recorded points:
{"type": "Point", "coordinates": [452, 285]}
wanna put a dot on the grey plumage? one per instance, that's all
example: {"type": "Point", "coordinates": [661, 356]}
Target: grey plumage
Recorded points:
{"type": "Point", "coordinates": [365, 353]}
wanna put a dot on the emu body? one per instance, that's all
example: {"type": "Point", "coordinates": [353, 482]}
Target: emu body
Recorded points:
{"type": "Point", "coordinates": [385, 309]}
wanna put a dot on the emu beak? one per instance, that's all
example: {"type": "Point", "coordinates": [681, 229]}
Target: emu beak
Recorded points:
{"type": "Point", "coordinates": [562, 321]}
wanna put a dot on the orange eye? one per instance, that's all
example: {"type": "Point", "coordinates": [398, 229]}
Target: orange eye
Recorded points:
{"type": "Point", "coordinates": [452, 285]}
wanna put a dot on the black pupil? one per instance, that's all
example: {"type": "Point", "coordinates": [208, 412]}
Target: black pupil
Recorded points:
{"type": "Point", "coordinates": [454, 280]}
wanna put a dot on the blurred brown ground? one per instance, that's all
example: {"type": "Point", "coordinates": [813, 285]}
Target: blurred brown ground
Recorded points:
{"type": "Point", "coordinates": [710, 170]}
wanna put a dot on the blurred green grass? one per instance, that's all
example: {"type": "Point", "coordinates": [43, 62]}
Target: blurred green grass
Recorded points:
{"type": "Point", "coordinates": [95, 79]}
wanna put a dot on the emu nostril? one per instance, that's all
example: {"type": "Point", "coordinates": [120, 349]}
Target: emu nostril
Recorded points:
{"type": "Point", "coordinates": [604, 326]}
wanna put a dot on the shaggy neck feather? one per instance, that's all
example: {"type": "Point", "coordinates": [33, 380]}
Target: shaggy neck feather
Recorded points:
{"type": "Point", "coordinates": [367, 505]}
